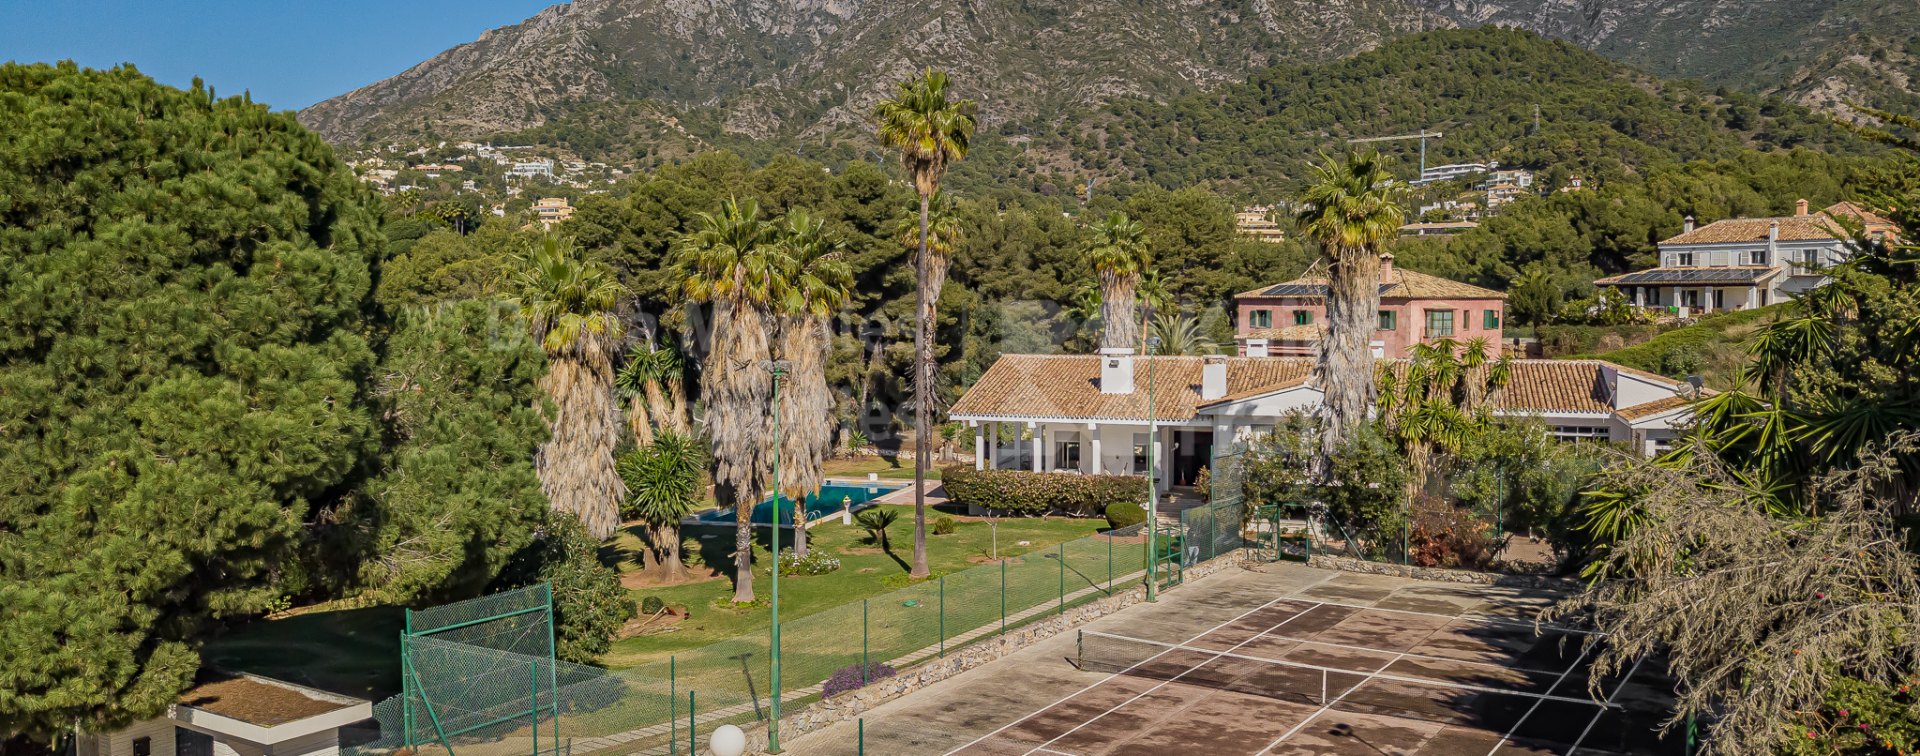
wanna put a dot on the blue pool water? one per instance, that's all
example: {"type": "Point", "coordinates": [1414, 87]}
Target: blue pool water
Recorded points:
{"type": "Point", "coordinates": [829, 500]}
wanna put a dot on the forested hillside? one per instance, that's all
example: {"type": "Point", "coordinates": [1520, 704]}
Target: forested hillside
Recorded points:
{"type": "Point", "coordinates": [1496, 94]}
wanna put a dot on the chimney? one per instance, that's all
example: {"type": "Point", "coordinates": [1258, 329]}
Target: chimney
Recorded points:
{"type": "Point", "coordinates": [1116, 371]}
{"type": "Point", "coordinates": [1213, 377]}
{"type": "Point", "coordinates": [1800, 209]}
{"type": "Point", "coordinates": [1773, 231]}
{"type": "Point", "coordinates": [1688, 228]}
{"type": "Point", "coordinates": [1256, 347]}
{"type": "Point", "coordinates": [1386, 267]}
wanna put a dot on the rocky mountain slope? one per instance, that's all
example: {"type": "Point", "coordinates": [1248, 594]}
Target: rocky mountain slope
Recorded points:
{"type": "Point", "coordinates": [813, 68]}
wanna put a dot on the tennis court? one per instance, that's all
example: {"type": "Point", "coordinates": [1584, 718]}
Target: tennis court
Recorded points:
{"type": "Point", "coordinates": [1303, 676]}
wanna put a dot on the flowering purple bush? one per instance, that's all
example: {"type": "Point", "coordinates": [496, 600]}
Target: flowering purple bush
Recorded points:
{"type": "Point", "coordinates": [849, 678]}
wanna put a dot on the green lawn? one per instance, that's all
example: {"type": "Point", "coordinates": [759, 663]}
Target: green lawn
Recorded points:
{"type": "Point", "coordinates": [865, 571]}
{"type": "Point", "coordinates": [353, 652]}
{"type": "Point", "coordinates": [887, 468]}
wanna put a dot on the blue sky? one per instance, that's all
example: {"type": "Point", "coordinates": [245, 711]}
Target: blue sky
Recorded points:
{"type": "Point", "coordinates": [288, 53]}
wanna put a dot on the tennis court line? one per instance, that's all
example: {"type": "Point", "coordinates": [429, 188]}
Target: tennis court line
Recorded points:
{"type": "Point", "coordinates": [1380, 675]}
{"type": "Point", "coordinates": [1616, 694]}
{"type": "Point", "coordinates": [1343, 694]}
{"type": "Point", "coordinates": [1480, 618]}
{"type": "Point", "coordinates": [1217, 655]}
{"type": "Point", "coordinates": [1536, 704]}
{"type": "Point", "coordinates": [1411, 655]}
{"type": "Point", "coordinates": [1104, 680]}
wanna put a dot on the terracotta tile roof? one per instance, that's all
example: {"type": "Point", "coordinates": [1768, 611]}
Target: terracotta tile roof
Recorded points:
{"type": "Point", "coordinates": [1068, 386]}
{"type": "Point", "coordinates": [1815, 227]}
{"type": "Point", "coordinates": [1695, 275]}
{"type": "Point", "coordinates": [1313, 332]}
{"type": "Point", "coordinates": [1655, 407]}
{"type": "Point", "coordinates": [1859, 214]}
{"type": "Point", "coordinates": [1400, 284]}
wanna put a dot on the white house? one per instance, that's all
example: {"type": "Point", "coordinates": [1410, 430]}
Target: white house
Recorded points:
{"type": "Point", "coordinates": [1743, 263]}
{"type": "Point", "coordinates": [237, 715]}
{"type": "Point", "coordinates": [1089, 413]}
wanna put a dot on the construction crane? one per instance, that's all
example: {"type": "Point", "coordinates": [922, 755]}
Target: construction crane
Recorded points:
{"type": "Point", "coordinates": [1423, 136]}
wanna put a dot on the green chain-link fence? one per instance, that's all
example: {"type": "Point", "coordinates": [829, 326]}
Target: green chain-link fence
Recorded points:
{"type": "Point", "coordinates": [481, 676]}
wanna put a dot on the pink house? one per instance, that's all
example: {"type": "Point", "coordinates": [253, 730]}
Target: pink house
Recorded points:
{"type": "Point", "coordinates": [1288, 319]}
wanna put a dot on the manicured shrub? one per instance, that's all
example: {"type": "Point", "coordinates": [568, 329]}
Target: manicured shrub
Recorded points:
{"type": "Point", "coordinates": [943, 526]}
{"type": "Point", "coordinates": [814, 563]}
{"type": "Point", "coordinates": [850, 678]}
{"type": "Point", "coordinates": [652, 605]}
{"type": "Point", "coordinates": [1125, 514]}
{"type": "Point", "coordinates": [1029, 493]}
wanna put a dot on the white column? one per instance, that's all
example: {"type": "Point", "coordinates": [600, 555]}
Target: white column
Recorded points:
{"type": "Point", "coordinates": [1159, 460]}
{"type": "Point", "coordinates": [1093, 431]}
{"type": "Point", "coordinates": [979, 447]}
{"type": "Point", "coordinates": [1040, 448]}
{"type": "Point", "coordinates": [1034, 444]}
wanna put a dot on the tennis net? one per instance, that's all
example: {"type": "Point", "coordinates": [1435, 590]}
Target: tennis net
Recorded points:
{"type": "Point", "coordinates": [1383, 691]}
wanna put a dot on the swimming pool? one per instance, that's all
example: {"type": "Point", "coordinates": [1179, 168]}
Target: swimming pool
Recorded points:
{"type": "Point", "coordinates": [826, 502]}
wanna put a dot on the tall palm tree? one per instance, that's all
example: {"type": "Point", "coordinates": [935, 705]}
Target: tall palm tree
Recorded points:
{"type": "Point", "coordinates": [1351, 209]}
{"type": "Point", "coordinates": [819, 283]}
{"type": "Point", "coordinates": [1119, 256]}
{"type": "Point", "coordinates": [930, 132]}
{"type": "Point", "coordinates": [1180, 334]}
{"type": "Point", "coordinates": [733, 260]}
{"type": "Point", "coordinates": [568, 302]}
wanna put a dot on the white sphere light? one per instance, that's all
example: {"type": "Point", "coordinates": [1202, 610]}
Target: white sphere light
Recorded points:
{"type": "Point", "coordinates": [727, 740]}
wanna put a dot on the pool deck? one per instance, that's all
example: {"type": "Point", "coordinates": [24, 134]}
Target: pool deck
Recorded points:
{"type": "Point", "coordinates": [890, 497]}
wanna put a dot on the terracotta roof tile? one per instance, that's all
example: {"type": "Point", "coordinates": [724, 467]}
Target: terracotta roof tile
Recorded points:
{"type": "Point", "coordinates": [1401, 284]}
{"type": "Point", "coordinates": [1655, 407]}
{"type": "Point", "coordinates": [1068, 386]}
{"type": "Point", "coordinates": [1815, 227]}
{"type": "Point", "coordinates": [1313, 332]}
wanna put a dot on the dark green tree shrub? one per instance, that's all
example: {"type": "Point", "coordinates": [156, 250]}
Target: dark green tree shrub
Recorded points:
{"type": "Point", "coordinates": [589, 604]}
{"type": "Point", "coordinates": [1028, 493]}
{"type": "Point", "coordinates": [1125, 514]}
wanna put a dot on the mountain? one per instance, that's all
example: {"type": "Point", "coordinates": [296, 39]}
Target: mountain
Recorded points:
{"type": "Point", "coordinates": [1495, 94]}
{"type": "Point", "coordinates": [761, 68]}
{"type": "Point", "coordinates": [667, 76]}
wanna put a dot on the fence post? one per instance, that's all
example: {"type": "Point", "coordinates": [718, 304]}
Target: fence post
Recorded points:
{"type": "Point", "coordinates": [533, 704]}
{"type": "Point", "coordinates": [1003, 598]}
{"type": "Point", "coordinates": [673, 707]}
{"type": "Point", "coordinates": [1109, 562]}
{"type": "Point", "coordinates": [863, 645]}
{"type": "Point", "coordinates": [863, 737]}
{"type": "Point", "coordinates": [943, 616]}
{"type": "Point", "coordinates": [1063, 577]}
{"type": "Point", "coordinates": [693, 727]}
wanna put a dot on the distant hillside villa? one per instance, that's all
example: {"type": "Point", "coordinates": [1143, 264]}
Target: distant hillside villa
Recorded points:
{"type": "Point", "coordinates": [1743, 263]}
{"type": "Point", "coordinates": [1288, 319]}
{"type": "Point", "coordinates": [1088, 413]}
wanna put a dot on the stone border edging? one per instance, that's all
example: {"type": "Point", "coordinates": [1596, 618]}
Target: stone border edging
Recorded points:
{"type": "Point", "coordinates": [1443, 575]}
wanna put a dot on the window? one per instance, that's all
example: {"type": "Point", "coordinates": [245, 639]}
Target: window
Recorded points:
{"type": "Point", "coordinates": [1066, 450]}
{"type": "Point", "coordinates": [1140, 453]}
{"type": "Point", "coordinates": [1579, 433]}
{"type": "Point", "coordinates": [1302, 317]}
{"type": "Point", "coordinates": [1260, 319]}
{"type": "Point", "coordinates": [1683, 258]}
{"type": "Point", "coordinates": [143, 746]}
{"type": "Point", "coordinates": [1490, 319]}
{"type": "Point", "coordinates": [1387, 318]}
{"type": "Point", "coordinates": [1758, 257]}
{"type": "Point", "coordinates": [1439, 323]}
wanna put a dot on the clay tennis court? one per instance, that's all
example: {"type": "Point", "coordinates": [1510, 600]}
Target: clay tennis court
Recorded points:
{"type": "Point", "coordinates": [1290, 660]}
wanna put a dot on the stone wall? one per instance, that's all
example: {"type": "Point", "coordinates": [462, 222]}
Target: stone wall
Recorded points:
{"type": "Point", "coordinates": [852, 705]}
{"type": "Point", "coordinates": [1437, 574]}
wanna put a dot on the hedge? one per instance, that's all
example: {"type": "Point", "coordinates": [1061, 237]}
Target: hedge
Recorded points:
{"type": "Point", "coordinates": [1030, 493]}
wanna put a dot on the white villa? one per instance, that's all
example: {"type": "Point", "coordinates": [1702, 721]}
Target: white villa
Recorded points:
{"type": "Point", "coordinates": [1089, 413]}
{"type": "Point", "coordinates": [1743, 263]}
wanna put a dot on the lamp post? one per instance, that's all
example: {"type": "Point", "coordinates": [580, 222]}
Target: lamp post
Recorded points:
{"type": "Point", "coordinates": [779, 370]}
{"type": "Point", "coordinates": [1153, 493]}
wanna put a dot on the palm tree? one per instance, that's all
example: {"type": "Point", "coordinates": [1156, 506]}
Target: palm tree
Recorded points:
{"type": "Point", "coordinates": [663, 482]}
{"type": "Point", "coordinates": [1119, 256]}
{"type": "Point", "coordinates": [734, 261]}
{"type": "Point", "coordinates": [1351, 209]}
{"type": "Point", "coordinates": [930, 132]}
{"type": "Point", "coordinates": [819, 283]}
{"type": "Point", "coordinates": [568, 303]}
{"type": "Point", "coordinates": [1179, 334]}
{"type": "Point", "coordinates": [651, 373]}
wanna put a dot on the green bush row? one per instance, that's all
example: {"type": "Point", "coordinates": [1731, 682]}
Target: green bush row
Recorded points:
{"type": "Point", "coordinates": [1030, 493]}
